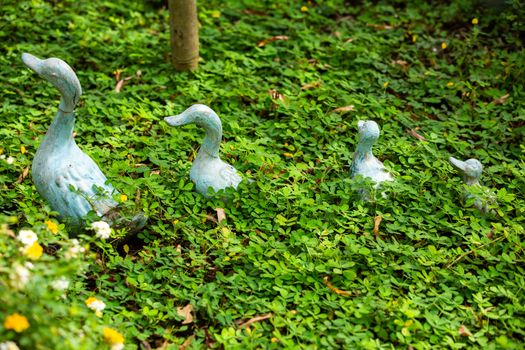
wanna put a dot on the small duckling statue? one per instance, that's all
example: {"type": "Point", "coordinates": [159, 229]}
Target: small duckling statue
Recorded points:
{"type": "Point", "coordinates": [64, 175]}
{"type": "Point", "coordinates": [207, 170]}
{"type": "Point", "coordinates": [365, 163]}
{"type": "Point", "coordinates": [472, 170]}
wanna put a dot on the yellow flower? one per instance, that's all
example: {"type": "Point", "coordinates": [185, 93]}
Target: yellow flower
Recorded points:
{"type": "Point", "coordinates": [216, 14]}
{"type": "Point", "coordinates": [16, 322]}
{"type": "Point", "coordinates": [23, 149]}
{"type": "Point", "coordinates": [450, 84]}
{"type": "Point", "coordinates": [112, 336]}
{"type": "Point", "coordinates": [286, 154]}
{"type": "Point", "coordinates": [475, 21]}
{"type": "Point", "coordinates": [51, 226]}
{"type": "Point", "coordinates": [385, 84]}
{"type": "Point", "coordinates": [304, 9]}
{"type": "Point", "coordinates": [123, 198]}
{"type": "Point", "coordinates": [443, 46]}
{"type": "Point", "coordinates": [414, 38]}
{"type": "Point", "coordinates": [34, 252]}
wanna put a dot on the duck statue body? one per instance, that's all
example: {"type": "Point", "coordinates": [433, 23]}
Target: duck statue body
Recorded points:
{"type": "Point", "coordinates": [364, 162]}
{"type": "Point", "coordinates": [472, 169]}
{"type": "Point", "coordinates": [207, 170]}
{"type": "Point", "coordinates": [65, 176]}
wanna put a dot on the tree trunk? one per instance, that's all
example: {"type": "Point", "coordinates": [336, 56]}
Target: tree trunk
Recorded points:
{"type": "Point", "coordinates": [184, 30]}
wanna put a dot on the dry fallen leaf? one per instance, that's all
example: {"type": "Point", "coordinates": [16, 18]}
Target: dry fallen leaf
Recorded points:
{"type": "Point", "coordinates": [276, 95]}
{"type": "Point", "coordinates": [464, 331]}
{"type": "Point", "coordinates": [186, 343]}
{"type": "Point", "coordinates": [186, 313]}
{"type": "Point", "coordinates": [334, 289]}
{"type": "Point", "coordinates": [221, 215]}
{"type": "Point", "coordinates": [344, 109]}
{"type": "Point", "coordinates": [413, 133]}
{"type": "Point", "coordinates": [311, 85]}
{"type": "Point", "coordinates": [120, 84]}
{"type": "Point", "coordinates": [349, 40]}
{"type": "Point", "coordinates": [255, 319]}
{"type": "Point", "coordinates": [380, 26]}
{"type": "Point", "coordinates": [377, 222]}
{"type": "Point", "coordinates": [400, 62]}
{"type": "Point", "coordinates": [272, 39]}
{"type": "Point", "coordinates": [501, 100]}
{"type": "Point", "coordinates": [23, 175]}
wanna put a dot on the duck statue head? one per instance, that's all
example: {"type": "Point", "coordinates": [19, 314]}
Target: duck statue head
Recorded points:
{"type": "Point", "coordinates": [471, 169]}
{"type": "Point", "coordinates": [207, 170]}
{"type": "Point", "coordinates": [61, 75]}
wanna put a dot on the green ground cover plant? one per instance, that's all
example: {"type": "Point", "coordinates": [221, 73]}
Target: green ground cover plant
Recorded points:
{"type": "Point", "coordinates": [300, 261]}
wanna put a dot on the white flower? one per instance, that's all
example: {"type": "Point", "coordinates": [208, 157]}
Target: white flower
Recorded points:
{"type": "Point", "coordinates": [19, 277]}
{"type": "Point", "coordinates": [29, 265]}
{"type": "Point", "coordinates": [2, 156]}
{"type": "Point", "coordinates": [10, 160]}
{"type": "Point", "coordinates": [60, 284]}
{"type": "Point", "coordinates": [27, 237]}
{"type": "Point", "coordinates": [9, 345]}
{"type": "Point", "coordinates": [116, 346]}
{"type": "Point", "coordinates": [74, 250]}
{"type": "Point", "coordinates": [102, 229]}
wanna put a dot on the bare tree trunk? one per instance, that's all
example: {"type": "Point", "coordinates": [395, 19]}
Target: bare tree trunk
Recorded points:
{"type": "Point", "coordinates": [184, 32]}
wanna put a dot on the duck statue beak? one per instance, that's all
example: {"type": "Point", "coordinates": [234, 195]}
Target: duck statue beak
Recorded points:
{"type": "Point", "coordinates": [32, 62]}
{"type": "Point", "coordinates": [176, 120]}
{"type": "Point", "coordinates": [458, 163]}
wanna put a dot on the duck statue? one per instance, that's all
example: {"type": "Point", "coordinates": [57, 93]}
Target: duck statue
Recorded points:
{"type": "Point", "coordinates": [65, 176]}
{"type": "Point", "coordinates": [472, 169]}
{"type": "Point", "coordinates": [364, 162]}
{"type": "Point", "coordinates": [207, 170]}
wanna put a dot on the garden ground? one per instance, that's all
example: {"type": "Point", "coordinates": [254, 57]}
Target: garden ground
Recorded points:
{"type": "Point", "coordinates": [300, 261]}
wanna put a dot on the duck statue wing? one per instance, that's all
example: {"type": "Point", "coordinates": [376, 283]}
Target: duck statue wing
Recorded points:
{"type": "Point", "coordinates": [229, 176]}
{"type": "Point", "coordinates": [82, 175]}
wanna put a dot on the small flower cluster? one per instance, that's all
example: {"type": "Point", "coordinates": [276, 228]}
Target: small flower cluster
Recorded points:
{"type": "Point", "coordinates": [31, 248]}
{"type": "Point", "coordinates": [21, 275]}
{"type": "Point", "coordinates": [75, 250]}
{"type": "Point", "coordinates": [96, 305]}
{"type": "Point", "coordinates": [113, 338]}
{"type": "Point", "coordinates": [9, 160]}
{"type": "Point", "coordinates": [102, 229]}
{"type": "Point", "coordinates": [9, 345]}
{"type": "Point", "coordinates": [16, 322]}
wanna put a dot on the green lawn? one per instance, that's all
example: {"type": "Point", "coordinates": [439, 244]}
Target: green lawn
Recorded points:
{"type": "Point", "coordinates": [298, 262]}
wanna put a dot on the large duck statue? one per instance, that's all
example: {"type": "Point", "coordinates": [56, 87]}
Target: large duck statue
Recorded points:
{"type": "Point", "coordinates": [65, 176]}
{"type": "Point", "coordinates": [207, 170]}
{"type": "Point", "coordinates": [364, 162]}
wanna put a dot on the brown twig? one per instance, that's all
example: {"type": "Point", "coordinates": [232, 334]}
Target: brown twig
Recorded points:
{"type": "Point", "coordinates": [256, 319]}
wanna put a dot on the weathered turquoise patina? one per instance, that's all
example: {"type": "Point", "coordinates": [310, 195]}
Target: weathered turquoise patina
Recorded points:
{"type": "Point", "coordinates": [471, 170]}
{"type": "Point", "coordinates": [207, 170]}
{"type": "Point", "coordinates": [65, 176]}
{"type": "Point", "coordinates": [364, 162]}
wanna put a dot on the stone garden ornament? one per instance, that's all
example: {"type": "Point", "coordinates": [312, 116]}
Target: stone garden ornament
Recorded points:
{"type": "Point", "coordinates": [64, 175]}
{"type": "Point", "coordinates": [472, 170]}
{"type": "Point", "coordinates": [207, 170]}
{"type": "Point", "coordinates": [364, 162]}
